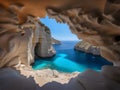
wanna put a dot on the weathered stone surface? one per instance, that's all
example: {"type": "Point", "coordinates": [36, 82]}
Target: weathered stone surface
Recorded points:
{"type": "Point", "coordinates": [47, 80]}
{"type": "Point", "coordinates": [95, 21]}
{"type": "Point", "coordinates": [105, 80]}
{"type": "Point", "coordinates": [97, 27]}
{"type": "Point", "coordinates": [23, 78]}
{"type": "Point", "coordinates": [87, 47]}
{"type": "Point", "coordinates": [44, 46]}
{"type": "Point", "coordinates": [17, 43]}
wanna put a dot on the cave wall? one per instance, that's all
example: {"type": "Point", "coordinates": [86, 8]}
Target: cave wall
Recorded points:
{"type": "Point", "coordinates": [44, 47]}
{"type": "Point", "coordinates": [97, 23]}
{"type": "Point", "coordinates": [97, 27]}
{"type": "Point", "coordinates": [17, 41]}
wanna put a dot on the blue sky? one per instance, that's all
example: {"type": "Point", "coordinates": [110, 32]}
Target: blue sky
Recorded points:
{"type": "Point", "coordinates": [59, 31]}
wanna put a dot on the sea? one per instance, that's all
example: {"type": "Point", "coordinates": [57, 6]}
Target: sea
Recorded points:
{"type": "Point", "coordinates": [68, 60]}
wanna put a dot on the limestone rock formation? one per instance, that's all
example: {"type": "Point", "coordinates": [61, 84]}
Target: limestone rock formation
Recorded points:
{"type": "Point", "coordinates": [95, 21]}
{"type": "Point", "coordinates": [55, 41]}
{"type": "Point", "coordinates": [107, 79]}
{"type": "Point", "coordinates": [44, 46]}
{"type": "Point", "coordinates": [87, 47]}
{"type": "Point", "coordinates": [17, 42]}
{"type": "Point", "coordinates": [26, 78]}
{"type": "Point", "coordinates": [99, 27]}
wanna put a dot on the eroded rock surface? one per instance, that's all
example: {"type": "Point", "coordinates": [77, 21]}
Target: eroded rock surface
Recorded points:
{"type": "Point", "coordinates": [99, 27]}
{"type": "Point", "coordinates": [44, 46]}
{"type": "Point", "coordinates": [87, 47]}
{"type": "Point", "coordinates": [95, 21]}
{"type": "Point", "coordinates": [17, 42]}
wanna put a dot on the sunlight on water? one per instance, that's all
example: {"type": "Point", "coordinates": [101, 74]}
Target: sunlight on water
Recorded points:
{"type": "Point", "coordinates": [68, 60]}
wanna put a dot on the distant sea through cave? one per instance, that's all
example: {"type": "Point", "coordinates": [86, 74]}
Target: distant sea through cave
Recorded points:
{"type": "Point", "coordinates": [69, 60]}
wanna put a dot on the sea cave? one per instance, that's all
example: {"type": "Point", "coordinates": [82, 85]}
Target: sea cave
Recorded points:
{"type": "Point", "coordinates": [25, 39]}
{"type": "Point", "coordinates": [70, 54]}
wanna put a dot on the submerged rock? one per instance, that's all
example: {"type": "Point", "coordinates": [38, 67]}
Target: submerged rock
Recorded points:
{"type": "Point", "coordinates": [87, 47]}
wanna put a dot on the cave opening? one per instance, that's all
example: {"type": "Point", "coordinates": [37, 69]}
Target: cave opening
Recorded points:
{"type": "Point", "coordinates": [17, 52]}
{"type": "Point", "coordinates": [59, 31]}
{"type": "Point", "coordinates": [67, 57]}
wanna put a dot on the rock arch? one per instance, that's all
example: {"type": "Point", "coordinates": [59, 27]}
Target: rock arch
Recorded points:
{"type": "Point", "coordinates": [95, 21]}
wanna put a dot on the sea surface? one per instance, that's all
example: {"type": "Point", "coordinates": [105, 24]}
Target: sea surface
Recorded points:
{"type": "Point", "coordinates": [69, 60]}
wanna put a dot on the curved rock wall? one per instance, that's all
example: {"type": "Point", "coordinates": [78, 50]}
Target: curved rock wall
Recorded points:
{"type": "Point", "coordinates": [95, 21]}
{"type": "Point", "coordinates": [17, 41]}
{"type": "Point", "coordinates": [97, 27]}
{"type": "Point", "coordinates": [44, 46]}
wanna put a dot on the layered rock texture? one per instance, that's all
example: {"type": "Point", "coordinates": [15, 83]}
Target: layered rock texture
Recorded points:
{"type": "Point", "coordinates": [87, 48]}
{"type": "Point", "coordinates": [55, 41]}
{"type": "Point", "coordinates": [44, 46]}
{"type": "Point", "coordinates": [17, 42]}
{"type": "Point", "coordinates": [95, 21]}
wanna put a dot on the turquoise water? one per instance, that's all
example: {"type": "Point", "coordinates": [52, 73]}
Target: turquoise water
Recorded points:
{"type": "Point", "coordinates": [69, 60]}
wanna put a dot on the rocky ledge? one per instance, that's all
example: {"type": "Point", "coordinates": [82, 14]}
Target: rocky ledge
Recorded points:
{"type": "Point", "coordinates": [94, 21]}
{"type": "Point", "coordinates": [107, 79]}
{"type": "Point", "coordinates": [25, 74]}
{"type": "Point", "coordinates": [87, 48]}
